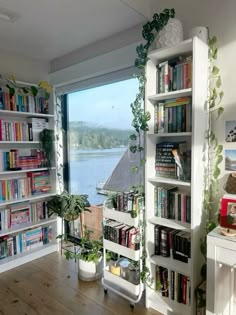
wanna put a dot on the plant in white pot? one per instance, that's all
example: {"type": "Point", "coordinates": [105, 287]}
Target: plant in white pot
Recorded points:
{"type": "Point", "coordinates": [89, 257]}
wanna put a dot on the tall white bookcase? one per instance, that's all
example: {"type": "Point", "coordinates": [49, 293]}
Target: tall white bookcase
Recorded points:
{"type": "Point", "coordinates": [10, 262]}
{"type": "Point", "coordinates": [196, 139]}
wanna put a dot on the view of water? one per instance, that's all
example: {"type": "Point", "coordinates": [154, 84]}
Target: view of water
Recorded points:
{"type": "Point", "coordinates": [89, 167]}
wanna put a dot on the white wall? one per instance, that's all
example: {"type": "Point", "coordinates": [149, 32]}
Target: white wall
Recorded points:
{"type": "Point", "coordinates": [23, 69]}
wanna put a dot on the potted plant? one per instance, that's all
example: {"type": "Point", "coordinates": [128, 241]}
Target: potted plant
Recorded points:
{"type": "Point", "coordinates": [89, 257]}
{"type": "Point", "coordinates": [68, 206]}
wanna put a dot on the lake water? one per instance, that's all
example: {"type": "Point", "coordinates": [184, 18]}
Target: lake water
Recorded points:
{"type": "Point", "coordinates": [89, 167]}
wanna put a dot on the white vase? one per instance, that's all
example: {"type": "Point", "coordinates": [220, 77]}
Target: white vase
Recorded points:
{"type": "Point", "coordinates": [170, 35]}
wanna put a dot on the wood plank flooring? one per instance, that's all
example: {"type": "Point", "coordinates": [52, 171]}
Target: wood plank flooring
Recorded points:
{"type": "Point", "coordinates": [50, 285]}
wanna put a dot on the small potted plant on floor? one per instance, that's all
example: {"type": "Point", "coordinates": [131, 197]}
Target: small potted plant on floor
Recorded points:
{"type": "Point", "coordinates": [89, 257]}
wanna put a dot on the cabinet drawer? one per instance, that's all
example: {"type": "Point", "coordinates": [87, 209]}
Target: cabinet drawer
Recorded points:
{"type": "Point", "coordinates": [225, 256]}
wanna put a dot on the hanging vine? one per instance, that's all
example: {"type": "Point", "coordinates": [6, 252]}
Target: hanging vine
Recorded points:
{"type": "Point", "coordinates": [213, 156]}
{"type": "Point", "coordinates": [141, 118]}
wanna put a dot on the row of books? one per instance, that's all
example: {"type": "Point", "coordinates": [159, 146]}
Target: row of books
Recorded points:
{"type": "Point", "coordinates": [173, 160]}
{"type": "Point", "coordinates": [172, 243]}
{"type": "Point", "coordinates": [22, 130]}
{"type": "Point", "coordinates": [129, 202]}
{"type": "Point", "coordinates": [171, 204]}
{"type": "Point", "coordinates": [174, 74]}
{"type": "Point", "coordinates": [21, 159]}
{"type": "Point", "coordinates": [122, 234]}
{"type": "Point", "coordinates": [11, 245]}
{"type": "Point", "coordinates": [23, 102]}
{"type": "Point", "coordinates": [173, 285]}
{"type": "Point", "coordinates": [173, 115]}
{"type": "Point", "coordinates": [22, 213]}
{"type": "Point", "coordinates": [31, 184]}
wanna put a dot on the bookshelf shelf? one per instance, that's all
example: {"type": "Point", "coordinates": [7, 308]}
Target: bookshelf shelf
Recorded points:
{"type": "Point", "coordinates": [182, 48]}
{"type": "Point", "coordinates": [162, 303]}
{"type": "Point", "coordinates": [120, 216]}
{"type": "Point", "coordinates": [168, 134]}
{"type": "Point", "coordinates": [5, 173]}
{"type": "Point", "coordinates": [29, 225]}
{"type": "Point", "coordinates": [20, 259]}
{"type": "Point", "coordinates": [174, 224]}
{"type": "Point", "coordinates": [30, 198]}
{"type": "Point", "coordinates": [173, 264]}
{"type": "Point", "coordinates": [24, 114]}
{"type": "Point", "coordinates": [121, 283]}
{"type": "Point", "coordinates": [169, 95]}
{"type": "Point", "coordinates": [170, 181]}
{"type": "Point", "coordinates": [39, 182]}
{"type": "Point", "coordinates": [19, 142]}
{"type": "Point", "coordinates": [122, 250]}
{"type": "Point", "coordinates": [176, 90]}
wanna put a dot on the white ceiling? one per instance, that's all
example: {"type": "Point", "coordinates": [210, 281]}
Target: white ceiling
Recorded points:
{"type": "Point", "coordinates": [48, 29]}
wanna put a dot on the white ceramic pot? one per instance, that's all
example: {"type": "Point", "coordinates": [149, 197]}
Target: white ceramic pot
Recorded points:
{"type": "Point", "coordinates": [89, 271]}
{"type": "Point", "coordinates": [201, 32]}
{"type": "Point", "coordinates": [170, 35]}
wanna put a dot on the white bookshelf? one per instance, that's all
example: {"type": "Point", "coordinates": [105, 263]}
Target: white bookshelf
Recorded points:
{"type": "Point", "coordinates": [36, 250]}
{"type": "Point", "coordinates": [196, 140]}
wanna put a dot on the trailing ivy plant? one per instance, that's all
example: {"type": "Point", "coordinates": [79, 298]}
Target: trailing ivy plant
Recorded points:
{"type": "Point", "coordinates": [213, 157]}
{"type": "Point", "coordinates": [141, 118]}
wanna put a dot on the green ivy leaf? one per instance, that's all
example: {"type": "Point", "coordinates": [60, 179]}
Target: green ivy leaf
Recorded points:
{"type": "Point", "coordinates": [220, 111]}
{"type": "Point", "coordinates": [219, 159]}
{"type": "Point", "coordinates": [215, 70]}
{"type": "Point", "coordinates": [214, 53]}
{"type": "Point", "coordinates": [34, 90]}
{"type": "Point", "coordinates": [221, 95]}
{"type": "Point", "coordinates": [216, 172]}
{"type": "Point", "coordinates": [133, 137]}
{"type": "Point", "coordinates": [212, 41]}
{"type": "Point", "coordinates": [219, 149]}
{"type": "Point", "coordinates": [218, 82]}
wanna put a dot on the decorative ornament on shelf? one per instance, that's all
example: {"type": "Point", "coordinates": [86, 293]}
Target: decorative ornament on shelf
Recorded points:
{"type": "Point", "coordinates": [170, 35]}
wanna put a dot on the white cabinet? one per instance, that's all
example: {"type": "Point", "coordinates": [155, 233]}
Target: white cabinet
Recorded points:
{"type": "Point", "coordinates": [221, 274]}
{"type": "Point", "coordinates": [26, 231]}
{"type": "Point", "coordinates": [194, 53]}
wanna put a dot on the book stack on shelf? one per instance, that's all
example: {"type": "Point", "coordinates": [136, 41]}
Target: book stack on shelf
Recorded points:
{"type": "Point", "coordinates": [15, 244]}
{"type": "Point", "coordinates": [122, 234]}
{"type": "Point", "coordinates": [176, 90]}
{"type": "Point", "coordinates": [173, 115]}
{"type": "Point", "coordinates": [18, 214]}
{"type": "Point", "coordinates": [172, 204]}
{"type": "Point", "coordinates": [173, 285]}
{"type": "Point", "coordinates": [172, 243]}
{"type": "Point", "coordinates": [26, 231]}
{"type": "Point", "coordinates": [174, 74]}
{"type": "Point", "coordinates": [20, 159]}
{"type": "Point", "coordinates": [23, 102]}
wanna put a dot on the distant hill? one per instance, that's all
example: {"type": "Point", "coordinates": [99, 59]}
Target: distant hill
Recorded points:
{"type": "Point", "coordinates": [84, 135]}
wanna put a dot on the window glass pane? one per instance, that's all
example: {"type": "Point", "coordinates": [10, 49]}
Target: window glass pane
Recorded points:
{"type": "Point", "coordinates": [99, 128]}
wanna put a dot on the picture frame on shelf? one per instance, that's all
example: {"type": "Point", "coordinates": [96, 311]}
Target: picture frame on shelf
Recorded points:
{"type": "Point", "coordinates": [228, 213]}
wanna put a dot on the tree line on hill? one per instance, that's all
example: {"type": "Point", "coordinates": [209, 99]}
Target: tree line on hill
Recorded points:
{"type": "Point", "coordinates": [85, 136]}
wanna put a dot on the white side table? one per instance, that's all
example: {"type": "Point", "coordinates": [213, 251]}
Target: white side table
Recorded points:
{"type": "Point", "coordinates": [221, 274]}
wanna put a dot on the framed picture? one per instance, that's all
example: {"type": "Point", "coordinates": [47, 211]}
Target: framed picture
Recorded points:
{"type": "Point", "coordinates": [230, 131]}
{"type": "Point", "coordinates": [230, 160]}
{"type": "Point", "coordinates": [228, 213]}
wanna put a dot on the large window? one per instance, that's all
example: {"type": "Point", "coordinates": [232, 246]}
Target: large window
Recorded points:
{"type": "Point", "coordinates": [99, 127]}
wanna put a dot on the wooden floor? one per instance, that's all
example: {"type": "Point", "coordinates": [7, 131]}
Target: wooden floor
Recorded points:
{"type": "Point", "coordinates": [50, 285]}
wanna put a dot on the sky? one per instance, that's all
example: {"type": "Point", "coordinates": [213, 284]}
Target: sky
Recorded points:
{"type": "Point", "coordinates": [107, 105]}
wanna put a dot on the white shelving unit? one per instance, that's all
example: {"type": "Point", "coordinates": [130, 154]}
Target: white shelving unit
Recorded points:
{"type": "Point", "coordinates": [196, 140]}
{"type": "Point", "coordinates": [117, 284]}
{"type": "Point", "coordinates": [13, 261]}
